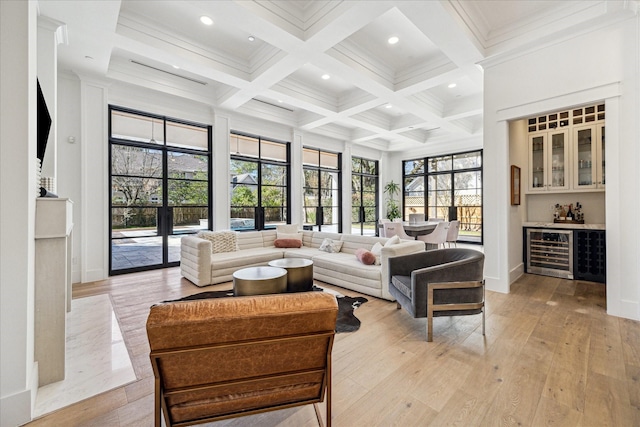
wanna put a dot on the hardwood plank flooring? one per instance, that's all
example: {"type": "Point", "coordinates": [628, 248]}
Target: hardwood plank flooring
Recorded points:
{"type": "Point", "coordinates": [551, 356]}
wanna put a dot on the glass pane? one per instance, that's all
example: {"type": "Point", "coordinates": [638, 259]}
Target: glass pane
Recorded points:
{"type": "Point", "coordinates": [190, 218]}
{"type": "Point", "coordinates": [134, 127]}
{"type": "Point", "coordinates": [355, 214]}
{"type": "Point", "coordinates": [310, 157]}
{"type": "Point", "coordinates": [273, 151]}
{"type": "Point", "coordinates": [329, 160]}
{"type": "Point", "coordinates": [537, 161]}
{"type": "Point", "coordinates": [412, 167]}
{"type": "Point", "coordinates": [243, 172]}
{"type": "Point", "coordinates": [329, 215]}
{"type": "Point", "coordinates": [274, 196]}
{"type": "Point", "coordinates": [370, 167]}
{"type": "Point", "coordinates": [328, 179]}
{"type": "Point", "coordinates": [242, 218]}
{"type": "Point", "coordinates": [355, 199]}
{"type": "Point", "coordinates": [244, 196]}
{"type": "Point", "coordinates": [369, 183]}
{"type": "Point", "coordinates": [131, 191]}
{"type": "Point", "coordinates": [188, 136]}
{"type": "Point", "coordinates": [129, 222]}
{"type": "Point", "coordinates": [311, 178]}
{"type": "Point", "coordinates": [585, 176]}
{"type": "Point", "coordinates": [356, 183]}
{"type": "Point", "coordinates": [370, 215]}
{"type": "Point", "coordinates": [356, 165]}
{"type": "Point", "coordinates": [274, 216]}
{"type": "Point", "coordinates": [310, 197]}
{"type": "Point", "coordinates": [134, 161]}
{"type": "Point", "coordinates": [467, 160]}
{"type": "Point", "coordinates": [440, 182]}
{"type": "Point", "coordinates": [439, 164]}
{"type": "Point", "coordinates": [243, 145]}
{"type": "Point", "coordinates": [602, 153]}
{"type": "Point", "coordinates": [309, 216]}
{"type": "Point", "coordinates": [368, 199]}
{"type": "Point", "coordinates": [183, 192]}
{"type": "Point", "coordinates": [188, 166]}
{"type": "Point", "coordinates": [137, 252]}
{"type": "Point", "coordinates": [557, 159]}
{"type": "Point", "coordinates": [274, 174]}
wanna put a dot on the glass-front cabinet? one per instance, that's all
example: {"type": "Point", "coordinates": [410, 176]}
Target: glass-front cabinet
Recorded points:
{"type": "Point", "coordinates": [588, 157]}
{"type": "Point", "coordinates": [548, 161]}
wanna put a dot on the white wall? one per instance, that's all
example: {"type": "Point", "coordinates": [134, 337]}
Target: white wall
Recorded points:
{"type": "Point", "coordinates": [601, 65]}
{"type": "Point", "coordinates": [517, 213]}
{"type": "Point", "coordinates": [18, 372]}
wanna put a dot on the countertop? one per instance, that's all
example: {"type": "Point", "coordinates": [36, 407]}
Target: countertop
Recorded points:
{"type": "Point", "coordinates": [564, 226]}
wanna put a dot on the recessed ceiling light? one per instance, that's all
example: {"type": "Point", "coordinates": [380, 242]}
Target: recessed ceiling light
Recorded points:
{"type": "Point", "coordinates": [388, 106]}
{"type": "Point", "coordinates": [252, 38]}
{"type": "Point", "coordinates": [452, 85]}
{"type": "Point", "coordinates": [280, 100]}
{"type": "Point", "coordinates": [393, 40]}
{"type": "Point", "coordinates": [206, 20]}
{"type": "Point", "coordinates": [176, 67]}
{"type": "Point", "coordinates": [326, 77]}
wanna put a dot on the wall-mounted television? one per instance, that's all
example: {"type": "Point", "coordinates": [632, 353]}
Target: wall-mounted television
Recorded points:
{"type": "Point", "coordinates": [44, 124]}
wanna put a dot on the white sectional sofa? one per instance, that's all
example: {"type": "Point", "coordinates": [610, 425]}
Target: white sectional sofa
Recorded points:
{"type": "Point", "coordinates": [254, 248]}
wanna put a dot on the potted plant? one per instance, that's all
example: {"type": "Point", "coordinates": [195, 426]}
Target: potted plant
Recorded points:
{"type": "Point", "coordinates": [393, 210]}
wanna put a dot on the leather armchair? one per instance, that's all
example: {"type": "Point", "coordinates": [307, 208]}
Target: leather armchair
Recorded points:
{"type": "Point", "coordinates": [221, 358]}
{"type": "Point", "coordinates": [444, 282]}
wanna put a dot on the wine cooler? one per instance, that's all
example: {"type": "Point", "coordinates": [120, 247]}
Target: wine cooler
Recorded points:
{"type": "Point", "coordinates": [550, 252]}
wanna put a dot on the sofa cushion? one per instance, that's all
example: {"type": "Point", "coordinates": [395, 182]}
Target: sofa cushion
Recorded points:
{"type": "Point", "coordinates": [377, 251]}
{"type": "Point", "coordinates": [319, 236]}
{"type": "Point", "coordinates": [331, 246]}
{"type": "Point", "coordinates": [392, 241]}
{"type": "Point", "coordinates": [352, 242]}
{"type": "Point", "coordinates": [287, 243]}
{"type": "Point", "coordinates": [287, 229]}
{"type": "Point", "coordinates": [243, 258]}
{"type": "Point", "coordinates": [366, 257]}
{"type": "Point", "coordinates": [347, 266]}
{"type": "Point", "coordinates": [221, 241]}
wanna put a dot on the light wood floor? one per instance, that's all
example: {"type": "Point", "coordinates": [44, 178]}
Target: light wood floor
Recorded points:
{"type": "Point", "coordinates": [551, 356]}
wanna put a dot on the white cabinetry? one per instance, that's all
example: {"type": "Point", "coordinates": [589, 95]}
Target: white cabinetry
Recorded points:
{"type": "Point", "coordinates": [588, 157]}
{"type": "Point", "coordinates": [548, 161]}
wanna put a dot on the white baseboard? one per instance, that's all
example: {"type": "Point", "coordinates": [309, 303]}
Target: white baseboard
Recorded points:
{"type": "Point", "coordinates": [627, 309]}
{"type": "Point", "coordinates": [516, 272]}
{"type": "Point", "coordinates": [16, 408]}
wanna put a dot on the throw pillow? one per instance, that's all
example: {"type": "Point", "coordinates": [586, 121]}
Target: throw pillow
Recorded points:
{"type": "Point", "coordinates": [366, 257]}
{"type": "Point", "coordinates": [376, 250]}
{"type": "Point", "coordinates": [392, 241]}
{"type": "Point", "coordinates": [221, 241]}
{"type": "Point", "coordinates": [287, 243]}
{"type": "Point", "coordinates": [331, 246]}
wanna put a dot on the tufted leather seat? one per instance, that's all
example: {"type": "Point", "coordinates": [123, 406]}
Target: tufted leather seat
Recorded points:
{"type": "Point", "coordinates": [226, 357]}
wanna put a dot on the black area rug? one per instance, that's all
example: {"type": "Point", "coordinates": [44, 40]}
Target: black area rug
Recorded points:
{"type": "Point", "coordinates": [346, 322]}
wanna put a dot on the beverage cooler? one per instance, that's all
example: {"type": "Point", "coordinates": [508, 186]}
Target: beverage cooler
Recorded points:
{"type": "Point", "coordinates": [550, 252]}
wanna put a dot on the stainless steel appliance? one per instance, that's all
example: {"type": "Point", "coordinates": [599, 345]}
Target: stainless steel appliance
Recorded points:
{"type": "Point", "coordinates": [550, 252]}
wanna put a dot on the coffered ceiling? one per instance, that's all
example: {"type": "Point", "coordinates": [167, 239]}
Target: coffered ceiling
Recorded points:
{"type": "Point", "coordinates": [424, 89]}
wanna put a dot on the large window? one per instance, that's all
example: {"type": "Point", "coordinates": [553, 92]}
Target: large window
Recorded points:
{"type": "Point", "coordinates": [447, 187]}
{"type": "Point", "coordinates": [364, 196]}
{"type": "Point", "coordinates": [159, 178]}
{"type": "Point", "coordinates": [259, 182]}
{"type": "Point", "coordinates": [322, 204]}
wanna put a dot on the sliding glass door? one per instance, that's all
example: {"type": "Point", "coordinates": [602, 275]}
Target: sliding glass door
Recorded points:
{"type": "Point", "coordinates": [159, 180]}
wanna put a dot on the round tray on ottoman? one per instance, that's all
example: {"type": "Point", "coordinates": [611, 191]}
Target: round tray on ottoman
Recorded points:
{"type": "Point", "coordinates": [259, 281]}
{"type": "Point", "coordinates": [299, 273]}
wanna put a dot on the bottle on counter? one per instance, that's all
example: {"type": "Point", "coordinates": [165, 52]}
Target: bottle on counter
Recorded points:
{"type": "Point", "coordinates": [570, 214]}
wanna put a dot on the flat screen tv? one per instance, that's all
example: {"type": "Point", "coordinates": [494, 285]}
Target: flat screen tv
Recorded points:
{"type": "Point", "coordinates": [44, 124]}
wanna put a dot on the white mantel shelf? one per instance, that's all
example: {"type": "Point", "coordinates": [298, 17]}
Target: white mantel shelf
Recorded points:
{"type": "Point", "coordinates": [564, 226]}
